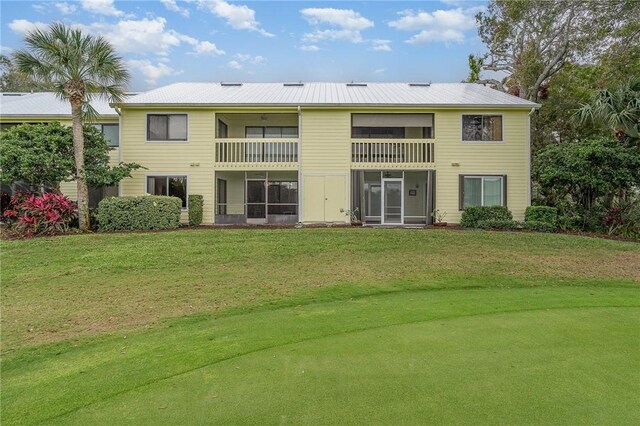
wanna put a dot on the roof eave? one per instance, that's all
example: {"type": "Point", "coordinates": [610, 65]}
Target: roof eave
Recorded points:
{"type": "Point", "coordinates": [293, 105]}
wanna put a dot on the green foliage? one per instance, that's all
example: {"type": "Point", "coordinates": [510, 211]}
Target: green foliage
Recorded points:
{"type": "Point", "coordinates": [195, 209]}
{"type": "Point", "coordinates": [499, 224]}
{"type": "Point", "coordinates": [538, 226]}
{"type": "Point", "coordinates": [12, 80]}
{"type": "Point", "coordinates": [139, 213]}
{"type": "Point", "coordinates": [43, 154]}
{"type": "Point", "coordinates": [474, 214]}
{"type": "Point", "coordinates": [587, 170]}
{"type": "Point", "coordinates": [475, 66]}
{"type": "Point", "coordinates": [618, 108]}
{"type": "Point", "coordinates": [544, 214]}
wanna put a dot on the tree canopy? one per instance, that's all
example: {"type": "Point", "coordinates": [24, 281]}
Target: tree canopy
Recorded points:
{"type": "Point", "coordinates": [42, 154]}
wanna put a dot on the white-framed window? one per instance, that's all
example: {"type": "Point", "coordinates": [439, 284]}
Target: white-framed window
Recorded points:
{"type": "Point", "coordinates": [488, 190]}
{"type": "Point", "coordinates": [167, 127]}
{"type": "Point", "coordinates": [275, 132]}
{"type": "Point", "coordinates": [171, 185]}
{"type": "Point", "coordinates": [481, 128]}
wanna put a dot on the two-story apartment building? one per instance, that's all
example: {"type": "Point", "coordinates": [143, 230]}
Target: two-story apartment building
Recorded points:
{"type": "Point", "coordinates": [311, 152]}
{"type": "Point", "coordinates": [393, 153]}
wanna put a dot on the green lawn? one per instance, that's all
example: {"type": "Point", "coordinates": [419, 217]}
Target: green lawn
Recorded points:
{"type": "Point", "coordinates": [320, 326]}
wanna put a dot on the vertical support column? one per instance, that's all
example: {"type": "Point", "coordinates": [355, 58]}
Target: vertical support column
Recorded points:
{"type": "Point", "coordinates": [431, 195]}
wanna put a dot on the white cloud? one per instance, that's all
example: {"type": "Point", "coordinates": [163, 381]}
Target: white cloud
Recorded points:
{"type": "Point", "coordinates": [239, 17]}
{"type": "Point", "coordinates": [150, 71]}
{"type": "Point", "coordinates": [235, 65]}
{"type": "Point", "coordinates": [173, 6]}
{"type": "Point", "coordinates": [343, 18]}
{"type": "Point", "coordinates": [379, 71]}
{"type": "Point", "coordinates": [381, 45]}
{"type": "Point", "coordinates": [66, 8]}
{"type": "Point", "coordinates": [5, 50]}
{"type": "Point", "coordinates": [440, 25]}
{"type": "Point", "coordinates": [22, 26]}
{"type": "Point", "coordinates": [346, 24]}
{"type": "Point", "coordinates": [207, 48]}
{"type": "Point", "coordinates": [241, 59]}
{"type": "Point", "coordinates": [40, 7]}
{"type": "Point", "coordinates": [101, 7]}
{"type": "Point", "coordinates": [310, 48]}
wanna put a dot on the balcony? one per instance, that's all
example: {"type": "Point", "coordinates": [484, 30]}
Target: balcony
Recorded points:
{"type": "Point", "coordinates": [248, 154]}
{"type": "Point", "coordinates": [389, 154]}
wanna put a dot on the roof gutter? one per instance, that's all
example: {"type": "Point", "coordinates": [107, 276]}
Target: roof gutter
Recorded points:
{"type": "Point", "coordinates": [299, 153]}
{"type": "Point", "coordinates": [289, 106]}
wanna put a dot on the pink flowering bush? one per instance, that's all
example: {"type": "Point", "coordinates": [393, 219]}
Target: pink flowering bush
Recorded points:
{"type": "Point", "coordinates": [45, 214]}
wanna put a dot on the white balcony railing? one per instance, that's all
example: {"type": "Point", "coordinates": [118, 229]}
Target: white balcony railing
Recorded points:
{"type": "Point", "coordinates": [255, 151]}
{"type": "Point", "coordinates": [416, 152]}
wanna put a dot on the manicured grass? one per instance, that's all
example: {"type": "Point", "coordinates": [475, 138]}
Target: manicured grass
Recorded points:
{"type": "Point", "coordinates": [320, 326]}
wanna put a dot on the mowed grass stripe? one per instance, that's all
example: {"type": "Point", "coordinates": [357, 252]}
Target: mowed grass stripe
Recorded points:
{"type": "Point", "coordinates": [60, 380]}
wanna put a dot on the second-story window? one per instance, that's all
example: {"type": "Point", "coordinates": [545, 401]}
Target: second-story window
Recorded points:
{"type": "Point", "coordinates": [276, 132]}
{"type": "Point", "coordinates": [481, 128]}
{"type": "Point", "coordinates": [167, 127]}
{"type": "Point", "coordinates": [111, 133]}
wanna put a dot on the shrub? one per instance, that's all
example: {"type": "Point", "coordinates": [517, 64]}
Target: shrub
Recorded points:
{"type": "Point", "coordinates": [195, 210]}
{"type": "Point", "coordinates": [139, 213]}
{"type": "Point", "coordinates": [45, 214]}
{"type": "Point", "coordinates": [534, 225]}
{"type": "Point", "coordinates": [623, 219]}
{"type": "Point", "coordinates": [541, 214]}
{"type": "Point", "coordinates": [499, 224]}
{"type": "Point", "coordinates": [473, 214]}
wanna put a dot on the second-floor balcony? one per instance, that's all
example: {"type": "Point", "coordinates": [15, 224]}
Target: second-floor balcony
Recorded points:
{"type": "Point", "coordinates": [280, 153]}
{"type": "Point", "coordinates": [400, 153]}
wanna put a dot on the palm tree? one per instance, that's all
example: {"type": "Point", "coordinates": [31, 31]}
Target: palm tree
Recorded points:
{"type": "Point", "coordinates": [619, 108]}
{"type": "Point", "coordinates": [78, 67]}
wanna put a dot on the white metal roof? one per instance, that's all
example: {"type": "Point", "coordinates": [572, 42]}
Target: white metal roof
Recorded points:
{"type": "Point", "coordinates": [43, 104]}
{"type": "Point", "coordinates": [328, 94]}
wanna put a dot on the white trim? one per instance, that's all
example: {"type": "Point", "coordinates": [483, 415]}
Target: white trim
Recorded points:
{"type": "Point", "coordinates": [463, 141]}
{"type": "Point", "coordinates": [160, 174]}
{"type": "Point", "coordinates": [120, 151]}
{"type": "Point", "coordinates": [382, 199]}
{"type": "Point", "coordinates": [528, 150]}
{"type": "Point", "coordinates": [168, 141]}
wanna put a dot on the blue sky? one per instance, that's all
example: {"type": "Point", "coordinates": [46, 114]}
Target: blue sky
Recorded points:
{"type": "Point", "coordinates": [222, 40]}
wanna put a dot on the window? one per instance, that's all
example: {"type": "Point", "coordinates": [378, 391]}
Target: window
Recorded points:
{"type": "Point", "coordinates": [377, 132]}
{"type": "Point", "coordinates": [482, 128]}
{"type": "Point", "coordinates": [111, 133]}
{"type": "Point", "coordinates": [283, 197]}
{"type": "Point", "coordinates": [173, 186]}
{"type": "Point", "coordinates": [257, 132]}
{"type": "Point", "coordinates": [223, 129]}
{"type": "Point", "coordinates": [167, 127]}
{"type": "Point", "coordinates": [483, 191]}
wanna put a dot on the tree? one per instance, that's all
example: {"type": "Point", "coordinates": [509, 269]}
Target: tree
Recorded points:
{"type": "Point", "coordinates": [11, 80]}
{"type": "Point", "coordinates": [475, 66]}
{"type": "Point", "coordinates": [42, 154]}
{"type": "Point", "coordinates": [79, 68]}
{"type": "Point", "coordinates": [618, 108]}
{"type": "Point", "coordinates": [531, 40]}
{"type": "Point", "coordinates": [587, 170]}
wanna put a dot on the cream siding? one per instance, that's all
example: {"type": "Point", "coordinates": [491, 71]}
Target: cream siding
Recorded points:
{"type": "Point", "coordinates": [509, 157]}
{"type": "Point", "coordinates": [193, 158]}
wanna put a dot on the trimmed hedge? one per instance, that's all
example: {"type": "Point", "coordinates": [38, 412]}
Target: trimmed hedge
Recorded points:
{"type": "Point", "coordinates": [499, 224]}
{"type": "Point", "coordinates": [195, 210]}
{"type": "Point", "coordinates": [543, 214]}
{"type": "Point", "coordinates": [139, 213]}
{"type": "Point", "coordinates": [534, 225]}
{"type": "Point", "coordinates": [473, 214]}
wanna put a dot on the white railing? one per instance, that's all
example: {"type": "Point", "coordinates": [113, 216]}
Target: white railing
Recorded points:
{"type": "Point", "coordinates": [234, 151]}
{"type": "Point", "coordinates": [392, 152]}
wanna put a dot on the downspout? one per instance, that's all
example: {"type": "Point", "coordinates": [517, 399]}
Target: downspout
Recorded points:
{"type": "Point", "coordinates": [529, 156]}
{"type": "Point", "coordinates": [119, 112]}
{"type": "Point", "coordinates": [300, 186]}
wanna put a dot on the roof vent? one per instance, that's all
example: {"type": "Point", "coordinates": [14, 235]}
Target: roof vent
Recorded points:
{"type": "Point", "coordinates": [293, 84]}
{"type": "Point", "coordinates": [223, 84]}
{"type": "Point", "coordinates": [13, 94]}
{"type": "Point", "coordinates": [419, 84]}
{"type": "Point", "coordinates": [352, 84]}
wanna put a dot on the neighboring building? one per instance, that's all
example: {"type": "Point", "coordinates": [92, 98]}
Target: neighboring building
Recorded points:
{"type": "Point", "coordinates": [45, 107]}
{"type": "Point", "coordinates": [311, 152]}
